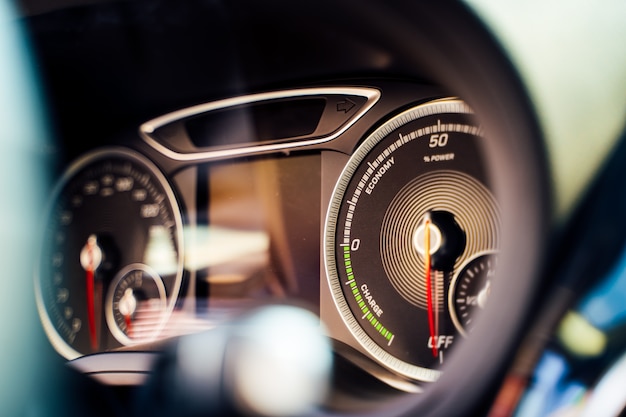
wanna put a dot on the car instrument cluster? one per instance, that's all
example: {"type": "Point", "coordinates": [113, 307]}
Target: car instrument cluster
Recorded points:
{"type": "Point", "coordinates": [374, 200]}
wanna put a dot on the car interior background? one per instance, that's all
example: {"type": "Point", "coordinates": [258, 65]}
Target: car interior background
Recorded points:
{"type": "Point", "coordinates": [312, 208]}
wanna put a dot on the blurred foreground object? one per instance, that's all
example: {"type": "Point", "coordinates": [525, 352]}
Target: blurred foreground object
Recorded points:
{"type": "Point", "coordinates": [275, 361]}
{"type": "Point", "coordinates": [21, 184]}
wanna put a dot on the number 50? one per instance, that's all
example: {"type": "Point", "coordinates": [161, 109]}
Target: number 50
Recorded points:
{"type": "Point", "coordinates": [438, 141]}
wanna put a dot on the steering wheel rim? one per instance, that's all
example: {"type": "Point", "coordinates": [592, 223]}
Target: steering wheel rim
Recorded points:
{"type": "Point", "coordinates": [442, 43]}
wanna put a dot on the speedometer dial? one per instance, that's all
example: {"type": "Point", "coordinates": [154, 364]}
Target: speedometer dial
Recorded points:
{"type": "Point", "coordinates": [111, 211]}
{"type": "Point", "coordinates": [411, 207]}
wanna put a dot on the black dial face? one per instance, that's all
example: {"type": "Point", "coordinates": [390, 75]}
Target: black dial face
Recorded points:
{"type": "Point", "coordinates": [470, 290]}
{"type": "Point", "coordinates": [411, 207]}
{"type": "Point", "coordinates": [112, 209]}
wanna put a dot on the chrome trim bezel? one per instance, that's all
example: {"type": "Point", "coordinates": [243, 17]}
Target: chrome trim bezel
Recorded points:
{"type": "Point", "coordinates": [147, 130]}
{"type": "Point", "coordinates": [114, 328]}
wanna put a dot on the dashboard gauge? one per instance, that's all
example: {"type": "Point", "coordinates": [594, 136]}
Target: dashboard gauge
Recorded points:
{"type": "Point", "coordinates": [136, 305]}
{"type": "Point", "coordinates": [470, 289]}
{"type": "Point", "coordinates": [111, 211]}
{"type": "Point", "coordinates": [411, 207]}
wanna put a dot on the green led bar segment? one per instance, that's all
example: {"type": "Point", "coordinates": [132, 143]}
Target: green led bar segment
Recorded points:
{"type": "Point", "coordinates": [354, 288]}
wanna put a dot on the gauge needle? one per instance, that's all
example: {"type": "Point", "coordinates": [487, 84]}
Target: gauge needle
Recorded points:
{"type": "Point", "coordinates": [90, 308]}
{"type": "Point", "coordinates": [429, 291]}
{"type": "Point", "coordinates": [483, 295]}
{"type": "Point", "coordinates": [90, 258]}
{"type": "Point", "coordinates": [436, 276]}
{"type": "Point", "coordinates": [127, 306]}
{"type": "Point", "coordinates": [129, 324]}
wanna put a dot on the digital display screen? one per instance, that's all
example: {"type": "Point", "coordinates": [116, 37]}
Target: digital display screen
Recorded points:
{"type": "Point", "coordinates": [256, 123]}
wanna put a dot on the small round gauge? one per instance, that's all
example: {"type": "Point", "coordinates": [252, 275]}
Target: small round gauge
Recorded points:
{"type": "Point", "coordinates": [470, 289]}
{"type": "Point", "coordinates": [136, 304]}
{"type": "Point", "coordinates": [412, 205]}
{"type": "Point", "coordinates": [111, 209]}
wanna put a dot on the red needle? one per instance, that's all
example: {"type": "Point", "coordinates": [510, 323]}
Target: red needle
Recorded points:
{"type": "Point", "coordinates": [127, 307]}
{"type": "Point", "coordinates": [429, 292]}
{"type": "Point", "coordinates": [128, 321]}
{"type": "Point", "coordinates": [90, 258]}
{"type": "Point", "coordinates": [91, 317]}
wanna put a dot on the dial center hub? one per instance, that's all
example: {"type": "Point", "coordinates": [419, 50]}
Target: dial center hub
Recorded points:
{"type": "Point", "coordinates": [419, 239]}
